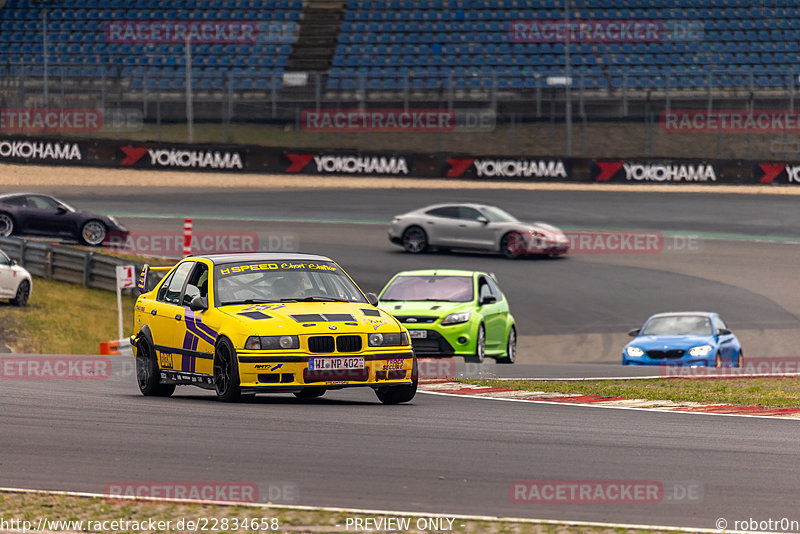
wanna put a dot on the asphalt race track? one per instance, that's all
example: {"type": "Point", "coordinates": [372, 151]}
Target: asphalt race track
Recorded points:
{"type": "Point", "coordinates": [444, 454]}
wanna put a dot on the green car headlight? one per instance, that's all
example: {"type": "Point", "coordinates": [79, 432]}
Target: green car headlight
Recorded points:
{"type": "Point", "coordinates": [634, 352]}
{"type": "Point", "coordinates": [272, 342]}
{"type": "Point", "coordinates": [455, 318]}
{"type": "Point", "coordinates": [396, 339]}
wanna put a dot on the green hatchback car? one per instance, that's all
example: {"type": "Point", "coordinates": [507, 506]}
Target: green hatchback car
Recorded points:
{"type": "Point", "coordinates": [453, 313]}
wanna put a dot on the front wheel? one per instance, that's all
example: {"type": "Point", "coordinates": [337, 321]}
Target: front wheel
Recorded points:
{"type": "Point", "coordinates": [512, 245]}
{"type": "Point", "coordinates": [511, 347]}
{"type": "Point", "coordinates": [23, 292]}
{"type": "Point", "coordinates": [93, 233]}
{"type": "Point", "coordinates": [147, 373]}
{"type": "Point", "coordinates": [480, 347]}
{"type": "Point", "coordinates": [415, 240]}
{"type": "Point", "coordinates": [226, 373]}
{"type": "Point", "coordinates": [397, 394]}
{"type": "Point", "coordinates": [740, 359]}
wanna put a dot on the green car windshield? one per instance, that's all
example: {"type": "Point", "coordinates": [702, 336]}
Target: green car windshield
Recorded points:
{"type": "Point", "coordinates": [287, 281]}
{"type": "Point", "coordinates": [438, 288]}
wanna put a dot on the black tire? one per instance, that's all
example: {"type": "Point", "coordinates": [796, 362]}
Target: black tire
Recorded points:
{"type": "Point", "coordinates": [512, 245]}
{"type": "Point", "coordinates": [740, 359]}
{"type": "Point", "coordinates": [511, 347]}
{"type": "Point", "coordinates": [226, 372]}
{"type": "Point", "coordinates": [147, 373]}
{"type": "Point", "coordinates": [480, 347]}
{"type": "Point", "coordinates": [310, 393]}
{"type": "Point", "coordinates": [23, 292]}
{"type": "Point", "coordinates": [93, 233]}
{"type": "Point", "coordinates": [6, 225]}
{"type": "Point", "coordinates": [718, 361]}
{"type": "Point", "coordinates": [397, 394]}
{"type": "Point", "coordinates": [415, 240]}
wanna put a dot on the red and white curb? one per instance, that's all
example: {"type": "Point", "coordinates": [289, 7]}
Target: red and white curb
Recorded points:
{"type": "Point", "coordinates": [450, 388]}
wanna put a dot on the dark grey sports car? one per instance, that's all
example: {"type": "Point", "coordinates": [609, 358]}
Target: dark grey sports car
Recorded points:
{"type": "Point", "coordinates": [35, 214]}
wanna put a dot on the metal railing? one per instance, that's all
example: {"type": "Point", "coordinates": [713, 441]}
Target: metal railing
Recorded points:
{"type": "Point", "coordinates": [67, 264]}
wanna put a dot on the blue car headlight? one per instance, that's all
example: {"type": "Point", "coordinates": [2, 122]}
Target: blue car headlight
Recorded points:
{"type": "Point", "coordinates": [702, 350]}
{"type": "Point", "coordinates": [634, 352]}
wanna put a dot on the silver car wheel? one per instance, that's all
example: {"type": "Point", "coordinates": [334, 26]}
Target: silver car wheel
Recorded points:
{"type": "Point", "coordinates": [6, 225]}
{"type": "Point", "coordinates": [93, 233]}
{"type": "Point", "coordinates": [415, 240]}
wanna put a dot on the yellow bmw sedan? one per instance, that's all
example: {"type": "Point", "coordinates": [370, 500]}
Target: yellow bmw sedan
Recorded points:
{"type": "Point", "coordinates": [242, 324]}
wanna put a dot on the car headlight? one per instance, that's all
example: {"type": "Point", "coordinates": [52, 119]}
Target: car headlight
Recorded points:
{"type": "Point", "coordinates": [272, 342]}
{"type": "Point", "coordinates": [634, 352]}
{"type": "Point", "coordinates": [395, 339]}
{"type": "Point", "coordinates": [455, 318]}
{"type": "Point", "coordinates": [702, 350]}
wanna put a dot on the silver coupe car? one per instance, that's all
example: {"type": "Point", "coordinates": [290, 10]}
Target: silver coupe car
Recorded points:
{"type": "Point", "coordinates": [474, 227]}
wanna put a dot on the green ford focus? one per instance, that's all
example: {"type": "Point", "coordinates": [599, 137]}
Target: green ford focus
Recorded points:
{"type": "Point", "coordinates": [453, 313]}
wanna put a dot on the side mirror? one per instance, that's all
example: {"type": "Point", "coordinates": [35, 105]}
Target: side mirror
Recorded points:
{"type": "Point", "coordinates": [61, 210]}
{"type": "Point", "coordinates": [199, 304]}
{"type": "Point", "coordinates": [372, 298]}
{"type": "Point", "coordinates": [488, 299]}
{"type": "Point", "coordinates": [634, 333]}
{"type": "Point", "coordinates": [482, 220]}
{"type": "Point", "coordinates": [723, 332]}
{"type": "Point", "coordinates": [13, 263]}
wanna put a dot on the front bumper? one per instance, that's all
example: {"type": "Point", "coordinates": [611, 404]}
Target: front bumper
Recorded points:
{"type": "Point", "coordinates": [684, 361]}
{"type": "Point", "coordinates": [448, 340]}
{"type": "Point", "coordinates": [262, 371]}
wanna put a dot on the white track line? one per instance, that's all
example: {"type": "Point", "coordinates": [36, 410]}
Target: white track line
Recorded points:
{"type": "Point", "coordinates": [370, 512]}
{"type": "Point", "coordinates": [692, 377]}
{"type": "Point", "coordinates": [660, 410]}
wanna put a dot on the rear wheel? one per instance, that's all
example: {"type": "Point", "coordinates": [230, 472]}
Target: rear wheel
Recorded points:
{"type": "Point", "coordinates": [226, 373]}
{"type": "Point", "coordinates": [147, 373]}
{"type": "Point", "coordinates": [93, 233]}
{"type": "Point", "coordinates": [511, 347]}
{"type": "Point", "coordinates": [512, 245]}
{"type": "Point", "coordinates": [23, 292]}
{"type": "Point", "coordinates": [415, 240]}
{"type": "Point", "coordinates": [309, 393]}
{"type": "Point", "coordinates": [6, 225]}
{"type": "Point", "coordinates": [480, 347]}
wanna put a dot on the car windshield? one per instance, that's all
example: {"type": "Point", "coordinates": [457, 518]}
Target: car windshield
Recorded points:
{"type": "Point", "coordinates": [498, 215]}
{"type": "Point", "coordinates": [439, 288]}
{"type": "Point", "coordinates": [678, 325]}
{"type": "Point", "coordinates": [283, 281]}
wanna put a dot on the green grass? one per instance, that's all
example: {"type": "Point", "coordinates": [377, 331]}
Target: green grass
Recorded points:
{"type": "Point", "coordinates": [32, 506]}
{"type": "Point", "coordinates": [63, 318]}
{"type": "Point", "coordinates": [772, 392]}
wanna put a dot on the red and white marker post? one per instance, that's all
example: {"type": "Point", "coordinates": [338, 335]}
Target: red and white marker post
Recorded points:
{"type": "Point", "coordinates": [187, 237]}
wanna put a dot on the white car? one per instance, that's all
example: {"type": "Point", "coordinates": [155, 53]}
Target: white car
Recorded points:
{"type": "Point", "coordinates": [475, 227]}
{"type": "Point", "coordinates": [15, 282]}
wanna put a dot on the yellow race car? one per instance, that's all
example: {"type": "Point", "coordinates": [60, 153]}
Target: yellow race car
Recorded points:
{"type": "Point", "coordinates": [260, 323]}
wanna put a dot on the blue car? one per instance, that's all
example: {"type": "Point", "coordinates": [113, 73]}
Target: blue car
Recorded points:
{"type": "Point", "coordinates": [684, 338]}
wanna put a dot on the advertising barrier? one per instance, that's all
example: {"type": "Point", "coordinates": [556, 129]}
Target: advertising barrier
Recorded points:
{"type": "Point", "coordinates": [333, 162]}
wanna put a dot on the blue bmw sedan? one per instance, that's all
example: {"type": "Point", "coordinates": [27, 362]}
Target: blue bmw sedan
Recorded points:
{"type": "Point", "coordinates": [684, 338]}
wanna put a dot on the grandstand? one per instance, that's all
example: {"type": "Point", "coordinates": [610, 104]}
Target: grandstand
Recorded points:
{"type": "Point", "coordinates": [403, 44]}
